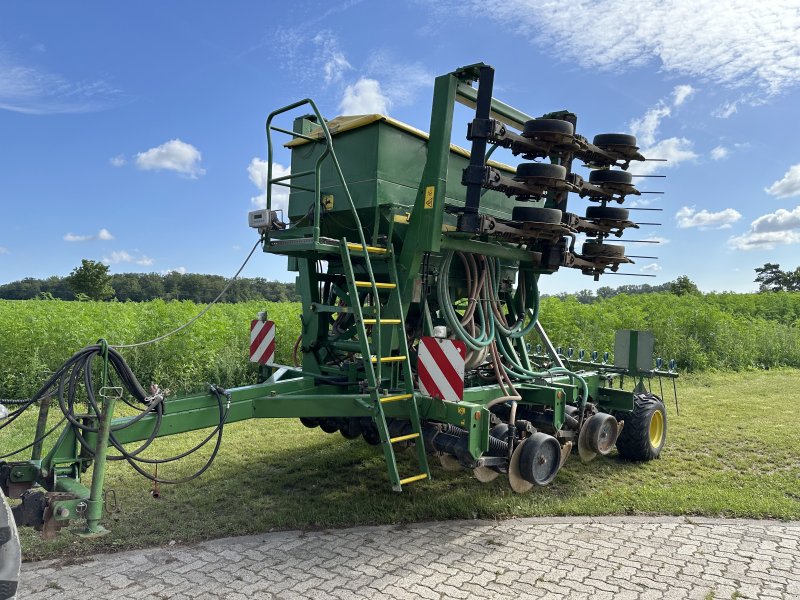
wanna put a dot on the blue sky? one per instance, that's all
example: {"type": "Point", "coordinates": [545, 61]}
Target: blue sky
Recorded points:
{"type": "Point", "coordinates": [133, 132]}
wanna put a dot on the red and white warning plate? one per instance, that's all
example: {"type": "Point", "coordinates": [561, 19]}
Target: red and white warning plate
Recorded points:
{"type": "Point", "coordinates": [440, 367]}
{"type": "Point", "coordinates": [262, 342]}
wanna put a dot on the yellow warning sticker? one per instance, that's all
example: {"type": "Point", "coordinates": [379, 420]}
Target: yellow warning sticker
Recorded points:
{"type": "Point", "coordinates": [429, 193]}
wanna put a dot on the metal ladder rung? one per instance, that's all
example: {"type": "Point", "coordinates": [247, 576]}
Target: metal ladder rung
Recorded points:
{"type": "Point", "coordinates": [381, 322]}
{"type": "Point", "coordinates": [291, 175]}
{"type": "Point", "coordinates": [385, 359]}
{"type": "Point", "coordinates": [419, 477]}
{"type": "Point", "coordinates": [379, 285]}
{"type": "Point", "coordinates": [397, 398]}
{"type": "Point", "coordinates": [403, 438]}
{"type": "Point", "coordinates": [370, 249]}
{"type": "Point", "coordinates": [298, 134]}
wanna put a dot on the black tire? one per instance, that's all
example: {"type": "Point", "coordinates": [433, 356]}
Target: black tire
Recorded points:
{"type": "Point", "coordinates": [540, 170]}
{"type": "Point", "coordinates": [536, 215]}
{"type": "Point", "coordinates": [10, 554]}
{"type": "Point", "coordinates": [636, 442]}
{"type": "Point", "coordinates": [604, 250]}
{"type": "Point", "coordinates": [351, 429]}
{"type": "Point", "coordinates": [535, 127]}
{"type": "Point", "coordinates": [609, 176]}
{"type": "Point", "coordinates": [614, 139]}
{"type": "Point", "coordinates": [540, 459]}
{"type": "Point", "coordinates": [329, 425]}
{"type": "Point", "coordinates": [607, 213]}
{"type": "Point", "coordinates": [369, 431]}
{"type": "Point", "coordinates": [309, 422]}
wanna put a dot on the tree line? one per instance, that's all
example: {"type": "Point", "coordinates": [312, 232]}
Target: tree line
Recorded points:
{"type": "Point", "coordinates": [770, 278]}
{"type": "Point", "coordinates": [682, 285]}
{"type": "Point", "coordinates": [92, 281]}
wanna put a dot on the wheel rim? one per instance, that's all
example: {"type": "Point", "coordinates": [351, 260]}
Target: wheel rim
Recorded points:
{"type": "Point", "coordinates": [546, 461]}
{"type": "Point", "coordinates": [656, 429]}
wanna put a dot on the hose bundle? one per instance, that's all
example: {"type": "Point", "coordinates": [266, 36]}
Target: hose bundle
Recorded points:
{"type": "Point", "coordinates": [77, 375]}
{"type": "Point", "coordinates": [485, 328]}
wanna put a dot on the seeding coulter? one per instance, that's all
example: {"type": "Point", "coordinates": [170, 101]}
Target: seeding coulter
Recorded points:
{"type": "Point", "coordinates": [417, 265]}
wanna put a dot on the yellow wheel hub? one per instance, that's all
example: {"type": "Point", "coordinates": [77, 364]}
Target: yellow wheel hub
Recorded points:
{"type": "Point", "coordinates": [656, 429]}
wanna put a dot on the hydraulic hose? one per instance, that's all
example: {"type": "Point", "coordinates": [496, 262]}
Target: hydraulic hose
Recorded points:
{"type": "Point", "coordinates": [484, 325]}
{"type": "Point", "coordinates": [77, 372]}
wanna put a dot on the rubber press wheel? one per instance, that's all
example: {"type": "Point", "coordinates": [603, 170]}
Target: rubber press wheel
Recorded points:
{"type": "Point", "coordinates": [10, 554]}
{"type": "Point", "coordinates": [535, 127]}
{"type": "Point", "coordinates": [610, 176]}
{"type": "Point", "coordinates": [645, 431]}
{"type": "Point", "coordinates": [607, 213]}
{"type": "Point", "coordinates": [614, 139]}
{"type": "Point", "coordinates": [536, 215]}
{"type": "Point", "coordinates": [603, 250]}
{"type": "Point", "coordinates": [540, 459]}
{"type": "Point", "coordinates": [540, 170]}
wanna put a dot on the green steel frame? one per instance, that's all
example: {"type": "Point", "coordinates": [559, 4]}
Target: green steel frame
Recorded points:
{"type": "Point", "coordinates": [308, 391]}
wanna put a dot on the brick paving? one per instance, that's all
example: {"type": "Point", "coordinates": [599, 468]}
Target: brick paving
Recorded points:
{"type": "Point", "coordinates": [635, 558]}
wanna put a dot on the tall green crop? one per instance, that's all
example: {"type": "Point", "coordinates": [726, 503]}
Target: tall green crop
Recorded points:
{"type": "Point", "coordinates": [715, 331]}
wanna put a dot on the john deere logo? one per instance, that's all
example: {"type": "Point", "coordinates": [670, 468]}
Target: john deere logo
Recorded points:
{"type": "Point", "coordinates": [327, 201]}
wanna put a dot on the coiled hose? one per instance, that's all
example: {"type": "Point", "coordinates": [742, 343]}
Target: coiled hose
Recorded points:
{"type": "Point", "coordinates": [484, 324]}
{"type": "Point", "coordinates": [65, 384]}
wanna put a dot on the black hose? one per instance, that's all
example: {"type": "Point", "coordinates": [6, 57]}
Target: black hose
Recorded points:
{"type": "Point", "coordinates": [65, 384]}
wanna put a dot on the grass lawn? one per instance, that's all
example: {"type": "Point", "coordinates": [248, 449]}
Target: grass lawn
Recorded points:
{"type": "Point", "coordinates": [734, 451]}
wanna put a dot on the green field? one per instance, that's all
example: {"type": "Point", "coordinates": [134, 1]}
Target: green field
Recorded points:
{"type": "Point", "coordinates": [714, 331]}
{"type": "Point", "coordinates": [731, 452]}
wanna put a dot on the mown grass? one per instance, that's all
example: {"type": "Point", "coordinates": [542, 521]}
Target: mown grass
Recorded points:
{"type": "Point", "coordinates": [732, 452]}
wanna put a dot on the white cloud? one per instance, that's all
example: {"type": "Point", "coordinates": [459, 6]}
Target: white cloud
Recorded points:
{"type": "Point", "coordinates": [656, 239]}
{"type": "Point", "coordinates": [738, 43]}
{"type": "Point", "coordinates": [122, 256]}
{"type": "Point", "coordinates": [257, 171]}
{"type": "Point", "coordinates": [674, 150]}
{"type": "Point", "coordinates": [334, 63]}
{"type": "Point", "coordinates": [638, 202]}
{"type": "Point", "coordinates": [770, 230]}
{"type": "Point", "coordinates": [307, 58]}
{"type": "Point", "coordinates": [174, 155]}
{"type": "Point", "coordinates": [763, 241]}
{"type": "Point", "coordinates": [104, 235]}
{"type": "Point", "coordinates": [690, 217]}
{"type": "Point", "coordinates": [401, 82]}
{"type": "Point", "coordinates": [780, 220]}
{"type": "Point", "coordinates": [719, 152]}
{"type": "Point", "coordinates": [29, 90]}
{"type": "Point", "coordinates": [118, 161]}
{"type": "Point", "coordinates": [652, 267]}
{"type": "Point", "coordinates": [364, 97]}
{"type": "Point", "coordinates": [681, 93]}
{"type": "Point", "coordinates": [788, 186]}
{"type": "Point", "coordinates": [726, 109]}
{"type": "Point", "coordinates": [4, 250]}
{"type": "Point", "coordinates": [180, 270]}
{"type": "Point", "coordinates": [646, 127]}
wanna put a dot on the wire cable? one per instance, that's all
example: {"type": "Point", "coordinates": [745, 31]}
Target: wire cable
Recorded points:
{"type": "Point", "coordinates": [198, 315]}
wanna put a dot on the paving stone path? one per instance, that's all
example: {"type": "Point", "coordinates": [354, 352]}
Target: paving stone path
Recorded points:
{"type": "Point", "coordinates": [615, 558]}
